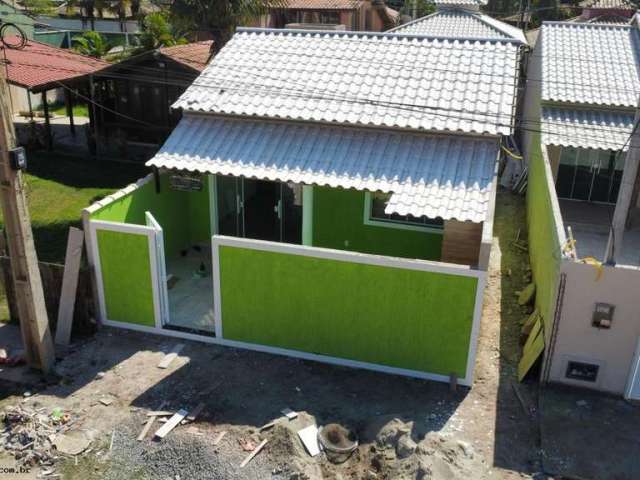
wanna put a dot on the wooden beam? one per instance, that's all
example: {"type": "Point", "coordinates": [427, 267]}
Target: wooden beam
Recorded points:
{"type": "Point", "coordinates": [47, 121]}
{"type": "Point", "coordinates": [68, 100]}
{"type": "Point", "coordinates": [69, 285]}
{"type": "Point", "coordinates": [34, 324]}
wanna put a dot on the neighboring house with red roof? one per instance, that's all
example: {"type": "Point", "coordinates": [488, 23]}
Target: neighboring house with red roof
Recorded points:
{"type": "Point", "coordinates": [139, 92]}
{"type": "Point", "coordinates": [356, 15]}
{"type": "Point", "coordinates": [51, 72]}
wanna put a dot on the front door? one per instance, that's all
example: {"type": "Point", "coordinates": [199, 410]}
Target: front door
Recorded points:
{"type": "Point", "coordinates": [262, 209]}
{"type": "Point", "coordinates": [259, 209]}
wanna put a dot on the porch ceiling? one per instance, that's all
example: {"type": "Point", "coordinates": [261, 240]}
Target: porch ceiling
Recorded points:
{"type": "Point", "coordinates": [600, 129]}
{"type": "Point", "coordinates": [444, 176]}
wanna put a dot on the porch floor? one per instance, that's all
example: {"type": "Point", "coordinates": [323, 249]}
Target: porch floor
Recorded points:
{"type": "Point", "coordinates": [191, 296]}
{"type": "Point", "coordinates": [589, 223]}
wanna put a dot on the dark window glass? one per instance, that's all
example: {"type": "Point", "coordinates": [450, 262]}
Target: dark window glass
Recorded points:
{"type": "Point", "coordinates": [378, 204]}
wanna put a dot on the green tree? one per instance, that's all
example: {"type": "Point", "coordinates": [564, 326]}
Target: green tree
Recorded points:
{"type": "Point", "coordinates": [219, 17]}
{"type": "Point", "coordinates": [157, 32]}
{"type": "Point", "coordinates": [423, 8]}
{"type": "Point", "coordinates": [38, 7]}
{"type": "Point", "coordinates": [92, 44]}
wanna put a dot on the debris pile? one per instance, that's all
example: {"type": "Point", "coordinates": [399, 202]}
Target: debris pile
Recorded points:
{"type": "Point", "coordinates": [399, 451]}
{"type": "Point", "coordinates": [29, 435]}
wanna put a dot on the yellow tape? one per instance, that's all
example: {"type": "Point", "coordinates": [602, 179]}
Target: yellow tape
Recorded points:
{"type": "Point", "coordinates": [595, 263]}
{"type": "Point", "coordinates": [510, 153]}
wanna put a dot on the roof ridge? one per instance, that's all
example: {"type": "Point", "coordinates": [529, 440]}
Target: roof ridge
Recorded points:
{"type": "Point", "coordinates": [387, 34]}
{"type": "Point", "coordinates": [493, 23]}
{"type": "Point", "coordinates": [622, 26]}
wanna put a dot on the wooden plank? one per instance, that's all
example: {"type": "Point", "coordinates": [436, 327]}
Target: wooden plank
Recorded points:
{"type": "Point", "coordinates": [169, 357]}
{"type": "Point", "coordinates": [254, 453]}
{"type": "Point", "coordinates": [171, 424]}
{"type": "Point", "coordinates": [66, 308]}
{"type": "Point", "coordinates": [531, 351]}
{"type": "Point", "coordinates": [193, 414]}
{"type": "Point", "coordinates": [219, 438]}
{"type": "Point", "coordinates": [461, 242]}
{"type": "Point", "coordinates": [309, 438]}
{"type": "Point", "coordinates": [149, 424]}
{"type": "Point", "coordinates": [160, 413]}
{"type": "Point", "coordinates": [146, 428]}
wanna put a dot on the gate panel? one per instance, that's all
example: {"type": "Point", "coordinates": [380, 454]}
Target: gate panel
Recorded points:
{"type": "Point", "coordinates": [126, 272]}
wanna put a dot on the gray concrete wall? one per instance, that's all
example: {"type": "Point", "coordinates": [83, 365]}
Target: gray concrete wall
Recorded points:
{"type": "Point", "coordinates": [531, 111]}
{"type": "Point", "coordinates": [577, 340]}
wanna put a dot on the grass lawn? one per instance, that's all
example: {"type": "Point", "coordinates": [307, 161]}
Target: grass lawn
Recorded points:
{"type": "Point", "coordinates": [79, 110]}
{"type": "Point", "coordinates": [58, 187]}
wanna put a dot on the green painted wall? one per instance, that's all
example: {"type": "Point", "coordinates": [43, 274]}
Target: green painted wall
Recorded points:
{"type": "Point", "coordinates": [389, 316]}
{"type": "Point", "coordinates": [544, 245]}
{"type": "Point", "coordinates": [126, 275]}
{"type": "Point", "coordinates": [184, 216]}
{"type": "Point", "coordinates": [338, 215]}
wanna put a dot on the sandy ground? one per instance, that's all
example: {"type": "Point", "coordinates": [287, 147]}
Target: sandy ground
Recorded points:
{"type": "Point", "coordinates": [479, 433]}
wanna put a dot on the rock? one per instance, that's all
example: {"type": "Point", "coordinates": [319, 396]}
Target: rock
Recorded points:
{"type": "Point", "coordinates": [71, 444]}
{"type": "Point", "coordinates": [389, 433]}
{"type": "Point", "coordinates": [372, 475]}
{"type": "Point", "coordinates": [405, 446]}
{"type": "Point", "coordinates": [100, 375]}
{"type": "Point", "coordinates": [424, 471]}
{"type": "Point", "coordinates": [466, 448]}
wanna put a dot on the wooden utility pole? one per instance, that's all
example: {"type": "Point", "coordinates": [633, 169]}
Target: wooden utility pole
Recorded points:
{"type": "Point", "coordinates": [34, 324]}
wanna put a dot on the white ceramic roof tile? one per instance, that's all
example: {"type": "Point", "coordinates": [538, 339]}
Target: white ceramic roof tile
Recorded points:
{"type": "Point", "coordinates": [590, 63]}
{"type": "Point", "coordinates": [388, 80]}
{"type": "Point", "coordinates": [460, 23]}
{"type": "Point", "coordinates": [447, 176]}
{"type": "Point", "coordinates": [599, 129]}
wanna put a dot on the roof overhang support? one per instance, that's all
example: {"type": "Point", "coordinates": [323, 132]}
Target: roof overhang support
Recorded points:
{"type": "Point", "coordinates": [68, 100]}
{"type": "Point", "coordinates": [47, 121]}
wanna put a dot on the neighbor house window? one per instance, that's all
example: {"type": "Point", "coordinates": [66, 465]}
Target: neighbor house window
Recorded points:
{"type": "Point", "coordinates": [375, 205]}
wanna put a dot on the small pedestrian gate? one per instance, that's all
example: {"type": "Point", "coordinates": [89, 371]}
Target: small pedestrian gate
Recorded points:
{"type": "Point", "coordinates": [130, 272]}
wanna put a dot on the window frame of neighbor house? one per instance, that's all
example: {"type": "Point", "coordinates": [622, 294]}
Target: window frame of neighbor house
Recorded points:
{"type": "Point", "coordinates": [403, 222]}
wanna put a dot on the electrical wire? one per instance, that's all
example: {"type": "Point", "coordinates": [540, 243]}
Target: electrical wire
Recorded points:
{"type": "Point", "coordinates": [434, 111]}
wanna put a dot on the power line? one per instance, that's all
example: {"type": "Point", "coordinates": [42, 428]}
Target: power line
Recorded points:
{"type": "Point", "coordinates": [442, 112]}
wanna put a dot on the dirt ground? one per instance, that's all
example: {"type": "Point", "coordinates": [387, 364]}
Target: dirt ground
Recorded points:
{"type": "Point", "coordinates": [408, 429]}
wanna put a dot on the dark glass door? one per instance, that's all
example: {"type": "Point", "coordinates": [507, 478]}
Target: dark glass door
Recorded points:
{"type": "Point", "coordinates": [261, 205]}
{"type": "Point", "coordinates": [291, 213]}
{"type": "Point", "coordinates": [589, 175]}
{"type": "Point", "coordinates": [566, 172]}
{"type": "Point", "coordinates": [229, 206]}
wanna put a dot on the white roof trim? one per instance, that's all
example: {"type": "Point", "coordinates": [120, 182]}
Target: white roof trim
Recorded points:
{"type": "Point", "coordinates": [598, 129]}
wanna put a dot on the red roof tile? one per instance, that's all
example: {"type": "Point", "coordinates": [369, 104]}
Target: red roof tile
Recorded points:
{"type": "Point", "coordinates": [194, 55]}
{"type": "Point", "coordinates": [38, 65]}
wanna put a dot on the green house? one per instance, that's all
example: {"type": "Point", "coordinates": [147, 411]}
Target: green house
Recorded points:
{"type": "Point", "coordinates": [289, 217]}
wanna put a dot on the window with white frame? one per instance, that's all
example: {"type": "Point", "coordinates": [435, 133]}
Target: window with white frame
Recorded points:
{"type": "Point", "coordinates": [375, 204]}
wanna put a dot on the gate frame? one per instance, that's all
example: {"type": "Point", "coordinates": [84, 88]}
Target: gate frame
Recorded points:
{"type": "Point", "coordinates": [148, 232]}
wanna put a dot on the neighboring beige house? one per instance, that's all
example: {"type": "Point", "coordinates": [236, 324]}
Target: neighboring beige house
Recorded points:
{"type": "Point", "coordinates": [584, 205]}
{"type": "Point", "coordinates": [354, 15]}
